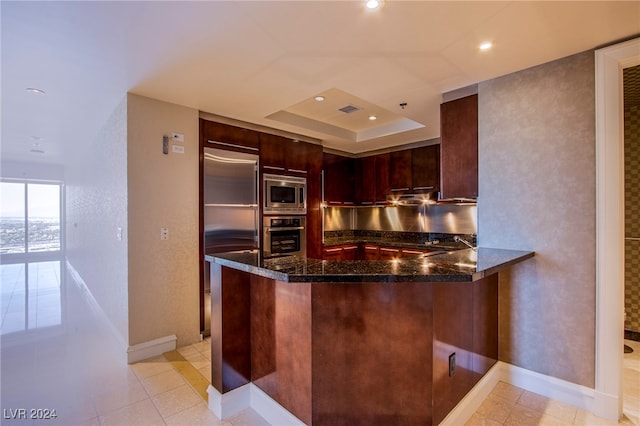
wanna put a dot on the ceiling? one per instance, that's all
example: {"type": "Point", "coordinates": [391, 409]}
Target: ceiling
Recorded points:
{"type": "Point", "coordinates": [263, 62]}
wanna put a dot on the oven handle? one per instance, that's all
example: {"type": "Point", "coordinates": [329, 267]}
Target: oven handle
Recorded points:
{"type": "Point", "coordinates": [293, 228]}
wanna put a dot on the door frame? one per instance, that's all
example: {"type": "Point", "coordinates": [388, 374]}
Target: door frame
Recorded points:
{"type": "Point", "coordinates": [610, 62]}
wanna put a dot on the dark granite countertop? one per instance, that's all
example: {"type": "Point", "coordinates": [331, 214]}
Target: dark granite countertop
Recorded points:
{"type": "Point", "coordinates": [460, 265]}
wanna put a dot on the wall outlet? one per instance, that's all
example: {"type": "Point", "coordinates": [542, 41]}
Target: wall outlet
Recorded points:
{"type": "Point", "coordinates": [164, 233]}
{"type": "Point", "coordinates": [452, 364]}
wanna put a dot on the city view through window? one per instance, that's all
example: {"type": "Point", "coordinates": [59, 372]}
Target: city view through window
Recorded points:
{"type": "Point", "coordinates": [29, 217]}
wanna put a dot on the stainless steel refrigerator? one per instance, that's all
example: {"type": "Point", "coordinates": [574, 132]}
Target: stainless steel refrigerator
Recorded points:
{"type": "Point", "coordinates": [231, 213]}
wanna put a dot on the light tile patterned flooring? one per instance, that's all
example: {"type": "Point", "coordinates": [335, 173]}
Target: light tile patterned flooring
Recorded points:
{"type": "Point", "coordinates": [511, 406]}
{"type": "Point", "coordinates": [78, 370]}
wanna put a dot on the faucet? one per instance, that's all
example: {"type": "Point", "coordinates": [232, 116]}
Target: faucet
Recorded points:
{"type": "Point", "coordinates": [457, 239]}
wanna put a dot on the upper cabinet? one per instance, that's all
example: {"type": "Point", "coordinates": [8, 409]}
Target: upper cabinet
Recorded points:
{"type": "Point", "coordinates": [372, 179]}
{"type": "Point", "coordinates": [400, 176]}
{"type": "Point", "coordinates": [338, 187]}
{"type": "Point", "coordinates": [415, 170]}
{"type": "Point", "coordinates": [282, 155]}
{"type": "Point", "coordinates": [229, 137]}
{"type": "Point", "coordinates": [459, 148]}
{"type": "Point", "coordinates": [425, 168]}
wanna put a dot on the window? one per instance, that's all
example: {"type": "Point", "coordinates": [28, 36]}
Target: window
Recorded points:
{"type": "Point", "coordinates": [30, 217]}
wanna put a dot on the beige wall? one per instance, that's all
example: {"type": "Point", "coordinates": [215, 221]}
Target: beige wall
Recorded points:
{"type": "Point", "coordinates": [162, 192]}
{"type": "Point", "coordinates": [537, 192]}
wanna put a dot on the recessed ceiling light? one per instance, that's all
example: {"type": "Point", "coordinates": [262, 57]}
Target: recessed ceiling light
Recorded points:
{"type": "Point", "coordinates": [36, 91]}
{"type": "Point", "coordinates": [373, 4]}
{"type": "Point", "coordinates": [373, 117]}
{"type": "Point", "coordinates": [319, 98]}
{"type": "Point", "coordinates": [486, 46]}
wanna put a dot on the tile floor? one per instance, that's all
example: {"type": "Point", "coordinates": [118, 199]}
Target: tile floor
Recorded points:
{"type": "Point", "coordinates": [74, 368]}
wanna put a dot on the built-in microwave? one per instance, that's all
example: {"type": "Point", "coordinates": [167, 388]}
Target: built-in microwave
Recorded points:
{"type": "Point", "coordinates": [285, 194]}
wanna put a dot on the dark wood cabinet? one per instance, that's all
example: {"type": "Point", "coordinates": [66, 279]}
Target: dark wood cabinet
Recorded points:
{"type": "Point", "coordinates": [314, 199]}
{"type": "Point", "coordinates": [225, 136]}
{"type": "Point", "coordinates": [372, 179]}
{"type": "Point", "coordinates": [425, 168]}
{"type": "Point", "coordinates": [282, 155]}
{"type": "Point", "coordinates": [344, 252]}
{"type": "Point", "coordinates": [459, 148]}
{"type": "Point", "coordinates": [414, 170]}
{"type": "Point", "coordinates": [365, 180]}
{"type": "Point", "coordinates": [400, 176]}
{"type": "Point", "coordinates": [339, 188]}
{"type": "Point", "coordinates": [383, 186]}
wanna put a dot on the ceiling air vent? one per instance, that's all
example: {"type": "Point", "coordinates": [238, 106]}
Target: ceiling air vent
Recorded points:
{"type": "Point", "coordinates": [349, 109]}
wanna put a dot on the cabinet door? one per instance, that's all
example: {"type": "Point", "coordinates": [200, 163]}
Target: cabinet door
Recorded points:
{"type": "Point", "coordinates": [425, 166]}
{"type": "Point", "coordinates": [297, 157]}
{"type": "Point", "coordinates": [389, 253]}
{"type": "Point", "coordinates": [349, 252]}
{"type": "Point", "coordinates": [400, 171]}
{"type": "Point", "coordinates": [332, 253]}
{"type": "Point", "coordinates": [273, 152]}
{"type": "Point", "coordinates": [371, 252]}
{"type": "Point", "coordinates": [228, 137]}
{"type": "Point", "coordinates": [459, 148]}
{"type": "Point", "coordinates": [383, 187]}
{"type": "Point", "coordinates": [338, 179]}
{"type": "Point", "coordinates": [365, 190]}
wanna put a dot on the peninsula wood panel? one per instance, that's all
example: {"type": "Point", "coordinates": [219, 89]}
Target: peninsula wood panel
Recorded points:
{"type": "Point", "coordinates": [230, 328]}
{"type": "Point", "coordinates": [452, 333]}
{"type": "Point", "coordinates": [372, 354]}
{"type": "Point", "coordinates": [485, 325]}
{"type": "Point", "coordinates": [281, 316]}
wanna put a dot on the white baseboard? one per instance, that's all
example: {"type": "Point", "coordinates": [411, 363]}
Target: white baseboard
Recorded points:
{"type": "Point", "coordinates": [231, 403]}
{"type": "Point", "coordinates": [270, 410]}
{"type": "Point", "coordinates": [582, 397]}
{"type": "Point", "coordinates": [474, 399]}
{"type": "Point", "coordinates": [250, 396]}
{"type": "Point", "coordinates": [152, 348]}
{"type": "Point", "coordinates": [94, 306]}
{"type": "Point", "coordinates": [588, 399]}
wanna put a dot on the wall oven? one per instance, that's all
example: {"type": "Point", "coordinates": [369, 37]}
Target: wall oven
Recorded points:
{"type": "Point", "coordinates": [284, 236]}
{"type": "Point", "coordinates": [285, 194]}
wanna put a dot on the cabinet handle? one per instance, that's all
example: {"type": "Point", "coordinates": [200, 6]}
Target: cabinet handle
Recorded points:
{"type": "Point", "coordinates": [350, 248]}
{"type": "Point", "coordinates": [366, 203]}
{"type": "Point", "coordinates": [297, 171]}
{"type": "Point", "coordinates": [424, 187]}
{"type": "Point", "coordinates": [399, 189]}
{"type": "Point", "coordinates": [388, 249]}
{"type": "Point", "coordinates": [332, 250]}
{"type": "Point", "coordinates": [273, 167]}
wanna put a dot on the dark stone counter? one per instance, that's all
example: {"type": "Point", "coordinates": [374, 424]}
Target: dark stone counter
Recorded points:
{"type": "Point", "coordinates": [455, 266]}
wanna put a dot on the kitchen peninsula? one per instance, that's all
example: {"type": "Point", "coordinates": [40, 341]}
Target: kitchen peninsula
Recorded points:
{"type": "Point", "coordinates": [357, 342]}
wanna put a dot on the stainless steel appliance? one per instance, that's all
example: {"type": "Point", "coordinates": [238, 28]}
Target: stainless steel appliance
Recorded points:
{"type": "Point", "coordinates": [285, 194]}
{"type": "Point", "coordinates": [231, 209]}
{"type": "Point", "coordinates": [284, 236]}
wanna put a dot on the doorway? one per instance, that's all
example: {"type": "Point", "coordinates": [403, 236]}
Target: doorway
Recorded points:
{"type": "Point", "coordinates": [610, 62]}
